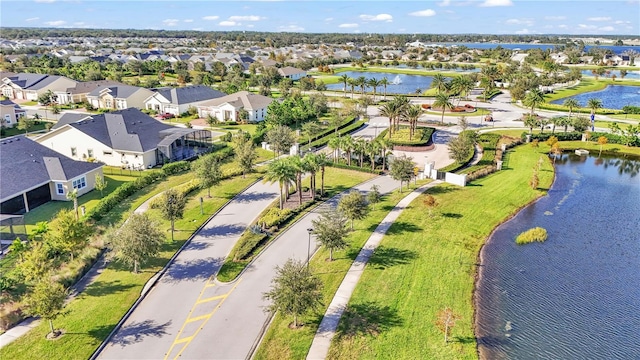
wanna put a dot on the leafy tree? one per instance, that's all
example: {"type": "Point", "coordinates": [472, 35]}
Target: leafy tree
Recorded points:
{"type": "Point", "coordinates": [19, 248]}
{"type": "Point", "coordinates": [402, 169]}
{"type": "Point", "coordinates": [374, 196]}
{"type": "Point", "coordinates": [207, 170]}
{"type": "Point", "coordinates": [25, 123]}
{"type": "Point", "coordinates": [354, 206]}
{"type": "Point", "coordinates": [68, 234]}
{"type": "Point", "coordinates": [73, 196]}
{"type": "Point", "coordinates": [580, 124]}
{"type": "Point", "coordinates": [445, 321]}
{"type": "Point", "coordinates": [390, 110]}
{"type": "Point", "coordinates": [172, 206]}
{"type": "Point", "coordinates": [311, 129]}
{"type": "Point", "coordinates": [245, 152]}
{"type": "Point", "coordinates": [280, 138]}
{"type": "Point", "coordinates": [35, 263]}
{"type": "Point", "coordinates": [137, 240]}
{"type": "Point", "coordinates": [295, 291]}
{"type": "Point", "coordinates": [100, 184]}
{"type": "Point", "coordinates": [533, 98]}
{"type": "Point", "coordinates": [47, 301]}
{"type": "Point", "coordinates": [459, 148]}
{"type": "Point", "coordinates": [331, 230]}
{"type": "Point", "coordinates": [412, 114]}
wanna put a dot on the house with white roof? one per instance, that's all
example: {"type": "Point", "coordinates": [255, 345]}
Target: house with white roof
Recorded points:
{"type": "Point", "coordinates": [292, 73]}
{"type": "Point", "coordinates": [227, 108]}
{"type": "Point", "coordinates": [178, 100]}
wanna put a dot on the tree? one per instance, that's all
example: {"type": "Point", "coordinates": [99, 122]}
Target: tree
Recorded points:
{"type": "Point", "coordinates": [442, 101]}
{"type": "Point", "coordinates": [531, 121]}
{"type": "Point", "coordinates": [47, 301]}
{"type": "Point", "coordinates": [384, 82]}
{"type": "Point", "coordinates": [245, 152]}
{"type": "Point", "coordinates": [533, 98]}
{"type": "Point", "coordinates": [35, 263]}
{"type": "Point", "coordinates": [137, 240]}
{"type": "Point", "coordinates": [412, 113]}
{"type": "Point", "coordinates": [280, 171]}
{"type": "Point", "coordinates": [445, 321]}
{"type": "Point", "coordinates": [390, 110]}
{"type": "Point", "coordinates": [344, 78]}
{"type": "Point", "coordinates": [73, 196]}
{"type": "Point", "coordinates": [322, 162]}
{"type": "Point", "coordinates": [374, 196]}
{"type": "Point", "coordinates": [67, 234]}
{"type": "Point", "coordinates": [311, 129]}
{"type": "Point", "coordinates": [459, 149]}
{"type": "Point", "coordinates": [311, 164]}
{"type": "Point", "coordinates": [295, 291]}
{"type": "Point", "coordinates": [571, 103]}
{"type": "Point", "coordinates": [354, 206]}
{"type": "Point", "coordinates": [402, 169]}
{"type": "Point", "coordinates": [19, 248]}
{"type": "Point", "coordinates": [331, 230]}
{"type": "Point", "coordinates": [101, 184]}
{"type": "Point", "coordinates": [207, 170]}
{"type": "Point", "coordinates": [172, 206]}
{"type": "Point", "coordinates": [580, 124]}
{"type": "Point", "coordinates": [430, 202]}
{"type": "Point", "coordinates": [439, 82]}
{"type": "Point", "coordinates": [280, 138]}
{"type": "Point", "coordinates": [594, 104]}
{"type": "Point", "coordinates": [25, 123]}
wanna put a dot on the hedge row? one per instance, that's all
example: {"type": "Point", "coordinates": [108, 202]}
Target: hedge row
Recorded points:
{"type": "Point", "coordinates": [425, 139]}
{"type": "Point", "coordinates": [489, 144]}
{"type": "Point", "coordinates": [570, 136]}
{"type": "Point", "coordinates": [332, 130]}
{"type": "Point", "coordinates": [346, 130]}
{"type": "Point", "coordinates": [356, 168]}
{"type": "Point", "coordinates": [615, 139]}
{"type": "Point", "coordinates": [459, 165]}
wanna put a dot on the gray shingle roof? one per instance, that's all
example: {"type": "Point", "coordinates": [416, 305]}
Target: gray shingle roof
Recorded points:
{"type": "Point", "coordinates": [117, 91]}
{"type": "Point", "coordinates": [189, 94]}
{"type": "Point", "coordinates": [26, 80]}
{"type": "Point", "coordinates": [88, 86]}
{"type": "Point", "coordinates": [25, 164]}
{"type": "Point", "coordinates": [243, 99]}
{"type": "Point", "coordinates": [124, 130]}
{"type": "Point", "coordinates": [69, 118]}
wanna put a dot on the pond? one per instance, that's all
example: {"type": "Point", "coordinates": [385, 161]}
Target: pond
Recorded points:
{"type": "Point", "coordinates": [631, 75]}
{"type": "Point", "coordinates": [612, 97]}
{"type": "Point", "coordinates": [577, 295]}
{"type": "Point", "coordinates": [398, 83]}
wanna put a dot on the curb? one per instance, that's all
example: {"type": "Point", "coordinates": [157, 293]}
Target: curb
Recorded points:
{"type": "Point", "coordinates": [154, 279]}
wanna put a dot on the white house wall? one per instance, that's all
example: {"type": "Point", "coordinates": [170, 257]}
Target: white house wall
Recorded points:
{"type": "Point", "coordinates": [67, 137]}
{"type": "Point", "coordinates": [90, 179]}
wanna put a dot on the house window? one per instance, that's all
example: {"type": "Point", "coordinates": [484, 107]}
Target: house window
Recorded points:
{"type": "Point", "coordinates": [59, 189]}
{"type": "Point", "coordinates": [107, 103]}
{"type": "Point", "coordinates": [7, 119]}
{"type": "Point", "coordinates": [74, 151]}
{"type": "Point", "coordinates": [90, 152]}
{"type": "Point", "coordinates": [80, 183]}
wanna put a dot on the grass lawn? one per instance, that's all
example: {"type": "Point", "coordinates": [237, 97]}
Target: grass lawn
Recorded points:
{"type": "Point", "coordinates": [12, 131]}
{"type": "Point", "coordinates": [426, 264]}
{"type": "Point", "coordinates": [593, 147]}
{"type": "Point", "coordinates": [263, 155]}
{"type": "Point", "coordinates": [250, 128]}
{"type": "Point", "coordinates": [97, 310]}
{"type": "Point", "coordinates": [626, 117]}
{"type": "Point", "coordinates": [479, 112]}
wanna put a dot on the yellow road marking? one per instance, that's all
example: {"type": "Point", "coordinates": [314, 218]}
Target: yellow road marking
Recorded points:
{"type": "Point", "coordinates": [187, 340]}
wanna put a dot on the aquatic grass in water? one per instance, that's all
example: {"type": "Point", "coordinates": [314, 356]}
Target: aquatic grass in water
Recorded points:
{"type": "Point", "coordinates": [536, 234]}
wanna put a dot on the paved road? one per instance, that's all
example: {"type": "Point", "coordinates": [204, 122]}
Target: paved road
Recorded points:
{"type": "Point", "coordinates": [162, 316]}
{"type": "Point", "coordinates": [190, 316]}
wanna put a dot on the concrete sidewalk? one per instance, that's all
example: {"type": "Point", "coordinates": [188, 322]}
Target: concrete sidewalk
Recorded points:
{"type": "Point", "coordinates": [327, 329]}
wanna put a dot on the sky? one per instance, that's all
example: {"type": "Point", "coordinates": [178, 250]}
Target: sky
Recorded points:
{"type": "Point", "coordinates": [572, 17]}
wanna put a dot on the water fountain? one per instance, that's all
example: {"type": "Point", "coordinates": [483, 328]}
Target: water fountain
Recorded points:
{"type": "Point", "coordinates": [396, 80]}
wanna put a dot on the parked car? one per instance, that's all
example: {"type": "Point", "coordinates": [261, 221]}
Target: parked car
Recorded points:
{"type": "Point", "coordinates": [166, 116]}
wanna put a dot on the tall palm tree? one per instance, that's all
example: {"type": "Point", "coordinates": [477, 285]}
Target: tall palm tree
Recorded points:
{"type": "Point", "coordinates": [310, 163]}
{"type": "Point", "coordinates": [373, 83]}
{"type": "Point", "coordinates": [322, 161]}
{"type": "Point", "coordinates": [353, 84]}
{"type": "Point", "coordinates": [362, 82]}
{"type": "Point", "coordinates": [373, 148]}
{"type": "Point", "coordinates": [461, 85]}
{"type": "Point", "coordinates": [439, 82]}
{"type": "Point", "coordinates": [412, 113]}
{"type": "Point", "coordinates": [533, 98]}
{"type": "Point", "coordinates": [299, 168]}
{"type": "Point", "coordinates": [594, 104]}
{"type": "Point", "coordinates": [345, 80]}
{"type": "Point", "coordinates": [571, 103]}
{"type": "Point", "coordinates": [348, 145]}
{"type": "Point", "coordinates": [385, 145]}
{"type": "Point", "coordinates": [334, 145]}
{"type": "Point", "coordinates": [390, 111]}
{"type": "Point", "coordinates": [402, 103]}
{"type": "Point", "coordinates": [280, 171]}
{"type": "Point", "coordinates": [443, 102]}
{"type": "Point", "coordinates": [384, 82]}
{"type": "Point", "coordinates": [360, 148]}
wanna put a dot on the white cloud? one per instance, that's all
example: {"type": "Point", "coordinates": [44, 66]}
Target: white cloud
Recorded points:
{"type": "Point", "coordinates": [523, 32]}
{"type": "Point", "coordinates": [55, 23]}
{"type": "Point", "coordinates": [45, 1]}
{"type": "Point", "coordinates": [291, 28]}
{"type": "Point", "coordinates": [599, 18]}
{"type": "Point", "coordinates": [620, 22]}
{"type": "Point", "coordinates": [379, 17]}
{"type": "Point", "coordinates": [584, 26]}
{"type": "Point", "coordinates": [32, 19]}
{"type": "Point", "coordinates": [328, 19]}
{"type": "Point", "coordinates": [555, 18]}
{"type": "Point", "coordinates": [493, 3]}
{"type": "Point", "coordinates": [527, 22]}
{"type": "Point", "coordinates": [250, 26]}
{"type": "Point", "coordinates": [445, 3]}
{"type": "Point", "coordinates": [211, 17]}
{"type": "Point", "coordinates": [228, 23]}
{"type": "Point", "coordinates": [188, 20]}
{"type": "Point", "coordinates": [563, 26]}
{"type": "Point", "coordinates": [427, 12]}
{"type": "Point", "coordinates": [606, 28]}
{"type": "Point", "coordinates": [245, 18]}
{"type": "Point", "coordinates": [170, 22]}
{"type": "Point", "coordinates": [348, 25]}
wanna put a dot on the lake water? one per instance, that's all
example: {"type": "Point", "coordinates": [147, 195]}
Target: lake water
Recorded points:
{"type": "Point", "coordinates": [615, 49]}
{"type": "Point", "coordinates": [399, 83]}
{"type": "Point", "coordinates": [612, 97]}
{"type": "Point", "coordinates": [577, 295]}
{"type": "Point", "coordinates": [631, 75]}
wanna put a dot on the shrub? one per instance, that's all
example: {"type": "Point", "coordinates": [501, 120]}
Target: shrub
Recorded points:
{"type": "Point", "coordinates": [616, 139]}
{"type": "Point", "coordinates": [356, 168]}
{"type": "Point", "coordinates": [570, 136]}
{"type": "Point", "coordinates": [536, 234]}
{"type": "Point", "coordinates": [274, 217]}
{"type": "Point", "coordinates": [247, 243]}
{"type": "Point", "coordinates": [176, 167]}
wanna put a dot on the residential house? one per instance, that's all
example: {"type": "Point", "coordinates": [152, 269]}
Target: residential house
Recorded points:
{"type": "Point", "coordinates": [68, 118]}
{"type": "Point", "coordinates": [32, 174]}
{"type": "Point", "coordinates": [128, 138]}
{"type": "Point", "coordinates": [25, 86]}
{"type": "Point", "coordinates": [78, 93]}
{"type": "Point", "coordinates": [227, 108]}
{"type": "Point", "coordinates": [118, 97]}
{"type": "Point", "coordinates": [292, 73]}
{"type": "Point", "coordinates": [178, 100]}
{"type": "Point", "coordinates": [10, 113]}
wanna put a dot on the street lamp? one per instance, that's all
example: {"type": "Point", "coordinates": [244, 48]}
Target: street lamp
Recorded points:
{"type": "Point", "coordinates": [309, 230]}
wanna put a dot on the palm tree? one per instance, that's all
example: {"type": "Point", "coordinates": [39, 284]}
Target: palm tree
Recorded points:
{"type": "Point", "coordinates": [461, 85]}
{"type": "Point", "coordinates": [389, 110]}
{"type": "Point", "coordinates": [334, 145]}
{"type": "Point", "coordinates": [373, 83]}
{"type": "Point", "coordinates": [281, 171]}
{"type": "Point", "coordinates": [534, 98]}
{"type": "Point", "coordinates": [442, 102]}
{"type": "Point", "coordinates": [571, 103]}
{"type": "Point", "coordinates": [594, 104]}
{"type": "Point", "coordinates": [362, 82]}
{"type": "Point", "coordinates": [322, 162]}
{"type": "Point", "coordinates": [360, 148]}
{"type": "Point", "coordinates": [439, 82]}
{"type": "Point", "coordinates": [348, 146]}
{"type": "Point", "coordinates": [402, 103]}
{"type": "Point", "coordinates": [373, 148]}
{"type": "Point", "coordinates": [531, 121]}
{"type": "Point", "coordinates": [352, 83]}
{"type": "Point", "coordinates": [412, 113]}
{"type": "Point", "coordinates": [384, 82]}
{"type": "Point", "coordinates": [385, 145]}
{"type": "Point", "coordinates": [299, 168]}
{"type": "Point", "coordinates": [310, 163]}
{"type": "Point", "coordinates": [345, 80]}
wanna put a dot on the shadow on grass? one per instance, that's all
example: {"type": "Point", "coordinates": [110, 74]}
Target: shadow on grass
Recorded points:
{"type": "Point", "coordinates": [101, 288]}
{"type": "Point", "coordinates": [384, 257]}
{"type": "Point", "coordinates": [193, 270]}
{"type": "Point", "coordinates": [367, 319]}
{"type": "Point", "coordinates": [441, 190]}
{"type": "Point", "coordinates": [451, 215]}
{"type": "Point", "coordinates": [137, 331]}
{"type": "Point", "coordinates": [401, 227]}
{"type": "Point", "coordinates": [464, 339]}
